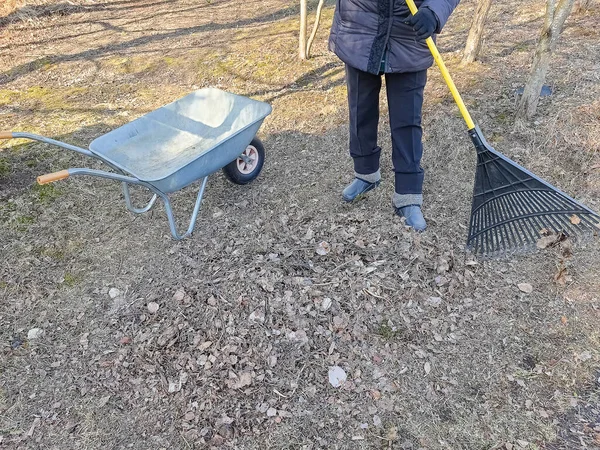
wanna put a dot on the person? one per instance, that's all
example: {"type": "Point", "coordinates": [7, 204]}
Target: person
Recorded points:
{"type": "Point", "coordinates": [376, 38]}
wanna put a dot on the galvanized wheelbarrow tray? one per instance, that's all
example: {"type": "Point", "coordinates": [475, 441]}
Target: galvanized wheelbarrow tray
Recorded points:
{"type": "Point", "coordinates": [176, 145]}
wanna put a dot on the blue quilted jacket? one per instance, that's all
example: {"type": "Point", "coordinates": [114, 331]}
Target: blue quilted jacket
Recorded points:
{"type": "Point", "coordinates": [371, 35]}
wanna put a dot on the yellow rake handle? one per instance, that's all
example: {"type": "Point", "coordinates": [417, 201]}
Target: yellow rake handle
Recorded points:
{"type": "Point", "coordinates": [440, 62]}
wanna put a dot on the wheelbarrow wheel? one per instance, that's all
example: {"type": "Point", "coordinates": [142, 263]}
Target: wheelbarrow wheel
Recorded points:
{"type": "Point", "coordinates": [248, 165]}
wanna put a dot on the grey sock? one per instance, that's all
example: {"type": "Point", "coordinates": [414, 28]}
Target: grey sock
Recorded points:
{"type": "Point", "coordinates": [369, 178]}
{"type": "Point", "coordinates": [402, 200]}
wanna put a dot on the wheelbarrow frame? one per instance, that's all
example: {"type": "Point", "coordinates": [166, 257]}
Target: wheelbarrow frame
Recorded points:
{"type": "Point", "coordinates": [171, 182]}
{"type": "Point", "coordinates": [125, 182]}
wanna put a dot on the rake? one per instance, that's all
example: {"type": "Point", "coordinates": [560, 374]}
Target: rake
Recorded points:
{"type": "Point", "coordinates": [512, 208]}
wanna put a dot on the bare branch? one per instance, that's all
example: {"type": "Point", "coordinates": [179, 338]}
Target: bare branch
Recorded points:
{"type": "Point", "coordinates": [473, 46]}
{"type": "Point", "coordinates": [315, 27]}
{"type": "Point", "coordinates": [303, 19]}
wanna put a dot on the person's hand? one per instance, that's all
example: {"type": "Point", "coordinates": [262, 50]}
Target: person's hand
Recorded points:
{"type": "Point", "coordinates": [424, 22]}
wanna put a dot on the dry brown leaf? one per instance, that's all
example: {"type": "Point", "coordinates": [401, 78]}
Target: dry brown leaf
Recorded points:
{"type": "Point", "coordinates": [392, 434]}
{"type": "Point", "coordinates": [562, 276]}
{"type": "Point", "coordinates": [103, 401]}
{"type": "Point", "coordinates": [323, 248]}
{"type": "Point", "coordinates": [563, 320]}
{"type": "Point", "coordinates": [442, 265]}
{"type": "Point", "coordinates": [525, 287]}
{"type": "Point", "coordinates": [244, 379]}
{"type": "Point", "coordinates": [551, 240]}
{"type": "Point", "coordinates": [575, 220]}
{"type": "Point", "coordinates": [567, 248]}
{"type": "Point", "coordinates": [179, 295]}
{"type": "Point", "coordinates": [584, 356]}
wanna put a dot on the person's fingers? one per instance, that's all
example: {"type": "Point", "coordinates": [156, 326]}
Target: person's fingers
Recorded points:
{"type": "Point", "coordinates": [423, 32]}
{"type": "Point", "coordinates": [412, 20]}
{"type": "Point", "coordinates": [420, 29]}
{"type": "Point", "coordinates": [424, 35]}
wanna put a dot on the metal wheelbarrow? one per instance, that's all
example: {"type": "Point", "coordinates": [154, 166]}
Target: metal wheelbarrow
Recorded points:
{"type": "Point", "coordinates": [176, 145]}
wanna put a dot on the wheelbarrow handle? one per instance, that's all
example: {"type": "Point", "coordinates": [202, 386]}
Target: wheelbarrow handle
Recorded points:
{"type": "Point", "coordinates": [52, 177]}
{"type": "Point", "coordinates": [61, 175]}
{"type": "Point", "coordinates": [37, 137]}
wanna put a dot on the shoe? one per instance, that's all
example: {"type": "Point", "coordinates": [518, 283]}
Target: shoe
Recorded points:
{"type": "Point", "coordinates": [358, 187]}
{"type": "Point", "coordinates": [414, 217]}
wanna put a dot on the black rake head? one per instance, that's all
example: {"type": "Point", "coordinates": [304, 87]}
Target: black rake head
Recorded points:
{"type": "Point", "coordinates": [513, 209]}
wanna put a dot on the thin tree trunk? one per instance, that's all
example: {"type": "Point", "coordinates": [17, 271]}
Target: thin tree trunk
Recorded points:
{"type": "Point", "coordinates": [303, 18]}
{"type": "Point", "coordinates": [315, 27]}
{"type": "Point", "coordinates": [557, 12]}
{"type": "Point", "coordinates": [475, 38]}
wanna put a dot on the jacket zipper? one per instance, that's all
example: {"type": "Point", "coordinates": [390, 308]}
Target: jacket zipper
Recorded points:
{"type": "Point", "coordinates": [387, 36]}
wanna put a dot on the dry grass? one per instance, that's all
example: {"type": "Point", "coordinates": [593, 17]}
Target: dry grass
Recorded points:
{"type": "Point", "coordinates": [33, 10]}
{"type": "Point", "coordinates": [8, 6]}
{"type": "Point", "coordinates": [442, 351]}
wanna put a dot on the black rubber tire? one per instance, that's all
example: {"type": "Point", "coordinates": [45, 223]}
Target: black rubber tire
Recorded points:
{"type": "Point", "coordinates": [234, 175]}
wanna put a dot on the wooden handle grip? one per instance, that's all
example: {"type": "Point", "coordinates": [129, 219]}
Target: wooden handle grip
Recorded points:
{"type": "Point", "coordinates": [6, 135]}
{"type": "Point", "coordinates": [52, 177]}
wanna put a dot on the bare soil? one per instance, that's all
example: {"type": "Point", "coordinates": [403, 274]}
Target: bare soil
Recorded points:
{"type": "Point", "coordinates": [441, 350]}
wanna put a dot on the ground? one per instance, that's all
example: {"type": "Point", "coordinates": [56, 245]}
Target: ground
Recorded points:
{"type": "Point", "coordinates": [442, 350]}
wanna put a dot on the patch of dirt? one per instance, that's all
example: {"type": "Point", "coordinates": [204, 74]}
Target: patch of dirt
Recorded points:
{"type": "Point", "coordinates": [114, 335]}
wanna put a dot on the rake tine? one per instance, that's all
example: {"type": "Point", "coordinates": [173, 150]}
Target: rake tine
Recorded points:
{"type": "Point", "coordinates": [558, 201]}
{"type": "Point", "coordinates": [493, 231]}
{"type": "Point", "coordinates": [595, 226]}
{"type": "Point", "coordinates": [492, 235]}
{"type": "Point", "coordinates": [524, 216]}
{"type": "Point", "coordinates": [553, 201]}
{"type": "Point", "coordinates": [480, 226]}
{"type": "Point", "coordinates": [516, 223]}
{"type": "Point", "coordinates": [506, 173]}
{"type": "Point", "coordinates": [511, 225]}
{"type": "Point", "coordinates": [540, 221]}
{"type": "Point", "coordinates": [560, 217]}
{"type": "Point", "coordinates": [586, 223]}
{"type": "Point", "coordinates": [499, 219]}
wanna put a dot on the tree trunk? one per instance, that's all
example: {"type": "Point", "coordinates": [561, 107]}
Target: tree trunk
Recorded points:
{"type": "Point", "coordinates": [557, 12]}
{"type": "Point", "coordinates": [476, 32]}
{"type": "Point", "coordinates": [315, 27]}
{"type": "Point", "coordinates": [303, 18]}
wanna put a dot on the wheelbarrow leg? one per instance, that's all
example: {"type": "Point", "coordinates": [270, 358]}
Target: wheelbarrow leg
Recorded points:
{"type": "Point", "coordinates": [171, 218]}
{"type": "Point", "coordinates": [129, 204]}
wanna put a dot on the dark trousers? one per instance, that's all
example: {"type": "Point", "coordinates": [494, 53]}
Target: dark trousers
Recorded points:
{"type": "Point", "coordinates": [405, 100]}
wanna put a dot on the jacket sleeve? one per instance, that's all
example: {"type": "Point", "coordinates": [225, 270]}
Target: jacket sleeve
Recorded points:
{"type": "Point", "coordinates": [442, 9]}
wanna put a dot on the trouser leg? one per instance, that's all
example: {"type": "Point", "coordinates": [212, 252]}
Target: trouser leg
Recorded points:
{"type": "Point", "coordinates": [405, 100]}
{"type": "Point", "coordinates": [363, 103]}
